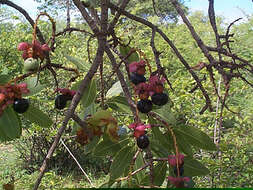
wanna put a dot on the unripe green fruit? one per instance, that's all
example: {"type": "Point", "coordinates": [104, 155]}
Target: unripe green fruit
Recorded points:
{"type": "Point", "coordinates": [31, 64]}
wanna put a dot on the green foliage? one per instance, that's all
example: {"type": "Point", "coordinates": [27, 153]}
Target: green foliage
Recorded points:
{"type": "Point", "coordinates": [115, 90]}
{"type": "Point", "coordinates": [33, 85]}
{"type": "Point", "coordinates": [196, 137]}
{"type": "Point", "coordinates": [126, 50]}
{"type": "Point", "coordinates": [89, 94]}
{"type": "Point", "coordinates": [159, 174]}
{"type": "Point", "coordinates": [10, 126]}
{"type": "Point", "coordinates": [35, 115]}
{"type": "Point", "coordinates": [4, 79]}
{"type": "Point", "coordinates": [122, 161]}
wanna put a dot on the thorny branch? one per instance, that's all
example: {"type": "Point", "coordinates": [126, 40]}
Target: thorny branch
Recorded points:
{"type": "Point", "coordinates": [173, 47]}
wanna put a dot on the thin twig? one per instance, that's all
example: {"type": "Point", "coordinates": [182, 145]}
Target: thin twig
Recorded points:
{"type": "Point", "coordinates": [77, 162]}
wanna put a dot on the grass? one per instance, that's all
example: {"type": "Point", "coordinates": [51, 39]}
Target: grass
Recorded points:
{"type": "Point", "coordinates": [11, 165]}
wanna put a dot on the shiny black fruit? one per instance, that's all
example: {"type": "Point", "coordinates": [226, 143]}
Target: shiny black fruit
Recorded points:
{"type": "Point", "coordinates": [61, 101]}
{"type": "Point", "coordinates": [136, 79]}
{"type": "Point", "coordinates": [159, 99]}
{"type": "Point", "coordinates": [144, 106]}
{"type": "Point", "coordinates": [181, 171]}
{"type": "Point", "coordinates": [142, 142]}
{"type": "Point", "coordinates": [20, 105]}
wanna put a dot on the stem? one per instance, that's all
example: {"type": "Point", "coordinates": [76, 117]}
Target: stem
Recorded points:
{"type": "Point", "coordinates": [77, 163]}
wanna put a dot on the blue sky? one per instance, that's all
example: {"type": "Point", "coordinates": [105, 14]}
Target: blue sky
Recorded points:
{"type": "Point", "coordinates": [230, 9]}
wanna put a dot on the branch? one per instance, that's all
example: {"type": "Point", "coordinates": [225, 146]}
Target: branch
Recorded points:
{"type": "Point", "coordinates": [173, 47]}
{"type": "Point", "coordinates": [122, 80]}
{"type": "Point", "coordinates": [116, 18]}
{"type": "Point", "coordinates": [73, 105]}
{"type": "Point", "coordinates": [82, 124]}
{"type": "Point", "coordinates": [70, 30]}
{"type": "Point", "coordinates": [157, 59]}
{"type": "Point", "coordinates": [86, 16]}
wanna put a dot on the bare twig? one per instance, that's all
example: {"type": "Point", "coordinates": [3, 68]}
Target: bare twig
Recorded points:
{"type": "Point", "coordinates": [173, 47]}
{"type": "Point", "coordinates": [87, 177]}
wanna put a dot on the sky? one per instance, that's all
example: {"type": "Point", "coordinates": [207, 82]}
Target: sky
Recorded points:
{"type": "Point", "coordinates": [230, 9]}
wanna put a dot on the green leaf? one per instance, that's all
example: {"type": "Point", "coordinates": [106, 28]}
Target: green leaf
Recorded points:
{"type": "Point", "coordinates": [165, 113]}
{"type": "Point", "coordinates": [194, 168]}
{"type": "Point", "coordinates": [162, 138]}
{"type": "Point", "coordinates": [158, 149]}
{"type": "Point", "coordinates": [89, 94]}
{"type": "Point", "coordinates": [35, 115]}
{"type": "Point", "coordinates": [4, 79]}
{"type": "Point", "coordinates": [159, 174]}
{"type": "Point", "coordinates": [124, 50]}
{"type": "Point", "coordinates": [115, 90]}
{"type": "Point", "coordinates": [106, 147]}
{"type": "Point", "coordinates": [119, 103]}
{"type": "Point", "coordinates": [91, 145]}
{"type": "Point", "coordinates": [121, 161]}
{"type": "Point", "coordinates": [99, 116]}
{"type": "Point", "coordinates": [196, 137]}
{"type": "Point", "coordinates": [3, 136]}
{"type": "Point", "coordinates": [138, 164]}
{"type": "Point", "coordinates": [183, 144]}
{"type": "Point", "coordinates": [10, 125]}
{"type": "Point", "coordinates": [77, 62]}
{"type": "Point", "coordinates": [33, 88]}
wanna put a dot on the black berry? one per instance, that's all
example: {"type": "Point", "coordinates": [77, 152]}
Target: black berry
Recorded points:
{"type": "Point", "coordinates": [144, 106]}
{"type": "Point", "coordinates": [136, 79]}
{"type": "Point", "coordinates": [61, 101]}
{"type": "Point", "coordinates": [20, 105]}
{"type": "Point", "coordinates": [181, 171]}
{"type": "Point", "coordinates": [142, 142]}
{"type": "Point", "coordinates": [159, 99]}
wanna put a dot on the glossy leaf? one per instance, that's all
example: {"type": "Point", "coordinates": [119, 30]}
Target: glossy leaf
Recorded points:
{"type": "Point", "coordinates": [34, 86]}
{"type": "Point", "coordinates": [159, 174]}
{"type": "Point", "coordinates": [193, 167]}
{"type": "Point", "coordinates": [106, 147]}
{"type": "Point", "coordinates": [115, 90]}
{"type": "Point", "coordinates": [77, 62]}
{"type": "Point", "coordinates": [119, 103]}
{"type": "Point", "coordinates": [196, 137]}
{"type": "Point", "coordinates": [10, 125]}
{"type": "Point", "coordinates": [163, 139]}
{"type": "Point", "coordinates": [138, 164]}
{"type": "Point", "coordinates": [35, 115]}
{"type": "Point", "coordinates": [89, 94]}
{"type": "Point", "coordinates": [183, 145]}
{"type": "Point", "coordinates": [165, 113]}
{"type": "Point", "coordinates": [121, 161]}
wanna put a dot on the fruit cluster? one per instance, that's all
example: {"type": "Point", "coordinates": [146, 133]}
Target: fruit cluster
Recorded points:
{"type": "Point", "coordinates": [12, 94]}
{"type": "Point", "coordinates": [61, 99]}
{"type": "Point", "coordinates": [153, 88]}
{"type": "Point", "coordinates": [34, 50]}
{"type": "Point", "coordinates": [179, 180]}
{"type": "Point", "coordinates": [32, 53]}
{"type": "Point", "coordinates": [140, 134]}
